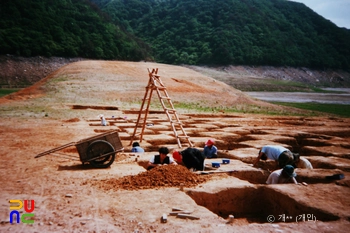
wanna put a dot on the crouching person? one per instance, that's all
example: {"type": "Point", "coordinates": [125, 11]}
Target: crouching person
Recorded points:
{"type": "Point", "coordinates": [280, 154]}
{"type": "Point", "coordinates": [301, 162]}
{"type": "Point", "coordinates": [161, 159]}
{"type": "Point", "coordinates": [192, 158]}
{"type": "Point", "coordinates": [282, 176]}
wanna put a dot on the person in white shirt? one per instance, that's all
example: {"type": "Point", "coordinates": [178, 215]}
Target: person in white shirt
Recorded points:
{"type": "Point", "coordinates": [282, 176]}
{"type": "Point", "coordinates": [301, 162]}
{"type": "Point", "coordinates": [103, 120]}
{"type": "Point", "coordinates": [280, 154]}
{"type": "Point", "coordinates": [137, 148]}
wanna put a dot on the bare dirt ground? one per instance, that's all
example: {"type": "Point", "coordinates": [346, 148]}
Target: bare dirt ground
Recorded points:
{"type": "Point", "coordinates": [71, 197]}
{"type": "Point", "coordinates": [267, 78]}
{"type": "Point", "coordinates": [20, 72]}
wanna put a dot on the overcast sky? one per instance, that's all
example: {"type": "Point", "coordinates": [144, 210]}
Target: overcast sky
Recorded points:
{"type": "Point", "coordinates": [337, 11]}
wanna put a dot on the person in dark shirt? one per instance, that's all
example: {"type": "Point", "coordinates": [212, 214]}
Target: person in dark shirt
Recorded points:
{"type": "Point", "coordinates": [161, 159]}
{"type": "Point", "coordinates": [192, 158]}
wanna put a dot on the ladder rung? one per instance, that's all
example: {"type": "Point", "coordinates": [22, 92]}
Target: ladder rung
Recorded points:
{"type": "Point", "coordinates": [176, 122]}
{"type": "Point", "coordinates": [159, 88]}
{"type": "Point", "coordinates": [156, 84]}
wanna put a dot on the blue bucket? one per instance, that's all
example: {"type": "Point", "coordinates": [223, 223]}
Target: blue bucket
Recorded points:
{"type": "Point", "coordinates": [225, 161]}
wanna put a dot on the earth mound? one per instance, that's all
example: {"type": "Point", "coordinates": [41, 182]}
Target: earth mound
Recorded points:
{"type": "Point", "coordinates": [161, 176]}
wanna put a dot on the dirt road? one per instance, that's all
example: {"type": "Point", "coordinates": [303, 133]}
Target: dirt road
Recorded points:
{"type": "Point", "coordinates": [70, 197]}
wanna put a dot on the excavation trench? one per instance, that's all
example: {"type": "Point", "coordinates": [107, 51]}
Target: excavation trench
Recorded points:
{"type": "Point", "coordinates": [258, 204]}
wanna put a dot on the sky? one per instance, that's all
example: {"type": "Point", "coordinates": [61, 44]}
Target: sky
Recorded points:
{"type": "Point", "coordinates": [337, 11]}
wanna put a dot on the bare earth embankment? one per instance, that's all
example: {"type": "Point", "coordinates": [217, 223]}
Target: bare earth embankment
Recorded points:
{"type": "Point", "coordinates": [70, 197]}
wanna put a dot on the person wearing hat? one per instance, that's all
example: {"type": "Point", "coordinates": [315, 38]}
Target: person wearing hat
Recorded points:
{"type": "Point", "coordinates": [191, 157]}
{"type": "Point", "coordinates": [280, 154]}
{"type": "Point", "coordinates": [210, 151]}
{"type": "Point", "coordinates": [161, 159]}
{"type": "Point", "coordinates": [282, 176]}
{"type": "Point", "coordinates": [137, 148]}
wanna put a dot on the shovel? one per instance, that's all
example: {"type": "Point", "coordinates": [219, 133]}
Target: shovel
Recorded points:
{"type": "Point", "coordinates": [212, 172]}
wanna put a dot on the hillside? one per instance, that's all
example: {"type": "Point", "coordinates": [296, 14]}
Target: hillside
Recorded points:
{"type": "Point", "coordinates": [123, 84]}
{"type": "Point", "coordinates": [234, 32]}
{"type": "Point", "coordinates": [19, 72]}
{"type": "Point", "coordinates": [194, 32]}
{"type": "Point", "coordinates": [64, 29]}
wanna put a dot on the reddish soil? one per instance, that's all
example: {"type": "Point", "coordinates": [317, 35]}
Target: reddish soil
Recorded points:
{"type": "Point", "coordinates": [71, 197]}
{"type": "Point", "coordinates": [164, 176]}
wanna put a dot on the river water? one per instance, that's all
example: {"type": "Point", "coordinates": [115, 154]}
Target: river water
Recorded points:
{"type": "Point", "coordinates": [304, 97]}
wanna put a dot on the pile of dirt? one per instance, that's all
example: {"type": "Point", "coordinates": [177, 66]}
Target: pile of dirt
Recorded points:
{"type": "Point", "coordinates": [161, 176]}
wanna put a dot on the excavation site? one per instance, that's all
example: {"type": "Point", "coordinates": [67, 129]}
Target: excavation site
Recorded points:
{"type": "Point", "coordinates": [67, 145]}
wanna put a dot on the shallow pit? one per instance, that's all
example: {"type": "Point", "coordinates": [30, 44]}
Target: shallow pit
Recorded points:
{"type": "Point", "coordinates": [94, 107]}
{"type": "Point", "coordinates": [256, 204]}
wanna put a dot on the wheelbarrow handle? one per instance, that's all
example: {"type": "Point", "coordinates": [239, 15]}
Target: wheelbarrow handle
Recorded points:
{"type": "Point", "coordinates": [55, 149]}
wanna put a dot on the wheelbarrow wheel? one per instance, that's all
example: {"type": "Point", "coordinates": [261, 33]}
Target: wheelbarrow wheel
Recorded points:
{"type": "Point", "coordinates": [97, 149]}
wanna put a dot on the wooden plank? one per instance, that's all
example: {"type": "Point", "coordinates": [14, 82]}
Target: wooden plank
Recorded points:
{"type": "Point", "coordinates": [180, 212]}
{"type": "Point", "coordinates": [176, 209]}
{"type": "Point", "coordinates": [187, 216]}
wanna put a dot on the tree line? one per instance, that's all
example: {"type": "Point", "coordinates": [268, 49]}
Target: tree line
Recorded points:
{"type": "Point", "coordinates": [65, 28]}
{"type": "Point", "coordinates": [195, 32]}
{"type": "Point", "coordinates": [222, 32]}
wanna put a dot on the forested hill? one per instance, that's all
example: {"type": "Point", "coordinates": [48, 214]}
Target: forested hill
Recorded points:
{"type": "Point", "coordinates": [197, 32]}
{"type": "Point", "coordinates": [64, 28]}
{"type": "Point", "coordinates": [250, 32]}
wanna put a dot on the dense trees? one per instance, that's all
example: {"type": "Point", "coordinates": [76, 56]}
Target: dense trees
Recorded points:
{"type": "Point", "coordinates": [254, 32]}
{"type": "Point", "coordinates": [67, 28]}
{"type": "Point", "coordinates": [213, 32]}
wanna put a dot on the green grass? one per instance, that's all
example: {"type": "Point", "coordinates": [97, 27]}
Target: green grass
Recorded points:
{"type": "Point", "coordinates": [337, 109]}
{"type": "Point", "coordinates": [316, 108]}
{"type": "Point", "coordinates": [243, 108]}
{"type": "Point", "coordinates": [271, 85]}
{"type": "Point", "coordinates": [6, 91]}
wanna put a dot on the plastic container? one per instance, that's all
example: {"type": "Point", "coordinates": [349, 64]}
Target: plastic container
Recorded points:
{"type": "Point", "coordinates": [215, 164]}
{"type": "Point", "coordinates": [225, 161]}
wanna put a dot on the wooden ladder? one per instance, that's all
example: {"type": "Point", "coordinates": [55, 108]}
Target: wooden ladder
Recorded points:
{"type": "Point", "coordinates": [155, 84]}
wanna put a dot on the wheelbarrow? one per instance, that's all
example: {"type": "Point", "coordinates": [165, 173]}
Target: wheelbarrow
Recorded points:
{"type": "Point", "coordinates": [99, 150]}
